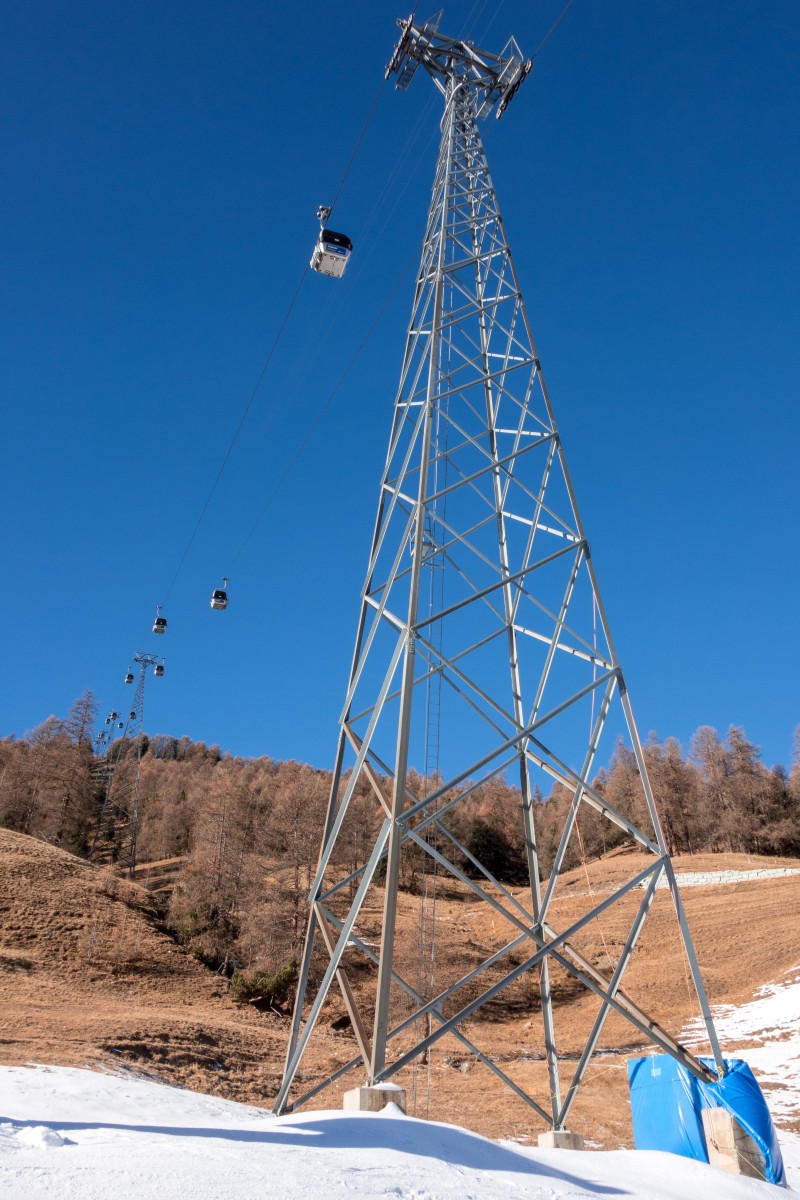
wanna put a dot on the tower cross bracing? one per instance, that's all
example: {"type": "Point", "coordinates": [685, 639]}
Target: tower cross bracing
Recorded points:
{"type": "Point", "coordinates": [479, 579]}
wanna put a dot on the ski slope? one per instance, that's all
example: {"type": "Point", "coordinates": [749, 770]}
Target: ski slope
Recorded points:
{"type": "Point", "coordinates": [69, 1134]}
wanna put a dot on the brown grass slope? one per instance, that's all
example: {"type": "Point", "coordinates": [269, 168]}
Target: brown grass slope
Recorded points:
{"type": "Point", "coordinates": [88, 977]}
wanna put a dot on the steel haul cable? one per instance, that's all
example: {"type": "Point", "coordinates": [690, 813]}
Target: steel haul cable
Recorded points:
{"type": "Point", "coordinates": [478, 5]}
{"type": "Point", "coordinates": [235, 437]}
{"type": "Point", "coordinates": [269, 357]}
{"type": "Point", "coordinates": [326, 405]}
{"type": "Point", "coordinates": [331, 395]}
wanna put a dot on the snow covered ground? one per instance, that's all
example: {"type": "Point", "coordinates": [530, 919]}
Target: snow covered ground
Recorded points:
{"type": "Point", "coordinates": [67, 1134]}
{"type": "Point", "coordinates": [766, 1034]}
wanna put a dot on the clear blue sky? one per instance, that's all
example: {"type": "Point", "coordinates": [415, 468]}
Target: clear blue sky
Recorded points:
{"type": "Point", "coordinates": [161, 164]}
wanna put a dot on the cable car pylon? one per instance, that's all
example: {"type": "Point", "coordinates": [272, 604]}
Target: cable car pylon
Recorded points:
{"type": "Point", "coordinates": [476, 488]}
{"type": "Point", "coordinates": [123, 772]}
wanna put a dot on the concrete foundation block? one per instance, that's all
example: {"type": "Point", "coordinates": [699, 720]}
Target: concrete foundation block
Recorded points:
{"type": "Point", "coordinates": [560, 1139]}
{"type": "Point", "coordinates": [729, 1147]}
{"type": "Point", "coordinates": [373, 1099]}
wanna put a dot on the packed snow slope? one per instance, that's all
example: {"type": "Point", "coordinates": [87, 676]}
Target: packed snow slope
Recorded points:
{"type": "Point", "coordinates": [69, 1134]}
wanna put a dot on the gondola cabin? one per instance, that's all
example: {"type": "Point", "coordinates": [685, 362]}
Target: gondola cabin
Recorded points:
{"type": "Point", "coordinates": [219, 598]}
{"type": "Point", "coordinates": [129, 677]}
{"type": "Point", "coordinates": [133, 716]}
{"type": "Point", "coordinates": [158, 670]}
{"type": "Point", "coordinates": [160, 625]}
{"type": "Point", "coordinates": [331, 253]}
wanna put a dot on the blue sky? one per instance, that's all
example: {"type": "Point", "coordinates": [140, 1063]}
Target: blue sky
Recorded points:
{"type": "Point", "coordinates": [161, 168]}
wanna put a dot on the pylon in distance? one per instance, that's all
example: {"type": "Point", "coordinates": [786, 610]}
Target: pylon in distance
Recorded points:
{"type": "Point", "coordinates": [123, 770]}
{"type": "Point", "coordinates": [479, 578]}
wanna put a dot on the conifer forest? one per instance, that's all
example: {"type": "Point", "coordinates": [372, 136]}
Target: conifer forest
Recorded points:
{"type": "Point", "coordinates": [242, 836]}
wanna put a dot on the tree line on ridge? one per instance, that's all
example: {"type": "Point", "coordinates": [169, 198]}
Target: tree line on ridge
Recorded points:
{"type": "Point", "coordinates": [245, 833]}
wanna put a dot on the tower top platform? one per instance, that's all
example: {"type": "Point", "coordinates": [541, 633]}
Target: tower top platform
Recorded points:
{"type": "Point", "coordinates": [496, 78]}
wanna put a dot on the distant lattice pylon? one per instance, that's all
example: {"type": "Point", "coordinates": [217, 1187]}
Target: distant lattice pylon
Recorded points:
{"type": "Point", "coordinates": [121, 773]}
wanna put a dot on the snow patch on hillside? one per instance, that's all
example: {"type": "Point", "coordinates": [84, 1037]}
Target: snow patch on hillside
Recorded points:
{"type": "Point", "coordinates": [705, 878]}
{"type": "Point", "coordinates": [766, 1034]}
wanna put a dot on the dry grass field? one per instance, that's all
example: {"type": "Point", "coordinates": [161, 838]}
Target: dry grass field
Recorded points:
{"type": "Point", "coordinates": [89, 978]}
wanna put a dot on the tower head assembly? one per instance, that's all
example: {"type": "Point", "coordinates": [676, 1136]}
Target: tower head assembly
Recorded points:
{"type": "Point", "coordinates": [495, 77]}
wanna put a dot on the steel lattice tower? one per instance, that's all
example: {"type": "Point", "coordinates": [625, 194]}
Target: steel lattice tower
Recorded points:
{"type": "Point", "coordinates": [122, 786]}
{"type": "Point", "coordinates": [479, 578]}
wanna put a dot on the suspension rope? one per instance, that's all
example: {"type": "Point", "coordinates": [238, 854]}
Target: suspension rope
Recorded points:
{"type": "Point", "coordinates": [269, 357]}
{"type": "Point", "coordinates": [376, 207]}
{"type": "Point", "coordinates": [238, 430]}
{"type": "Point", "coordinates": [552, 28]}
{"type": "Point", "coordinates": [493, 18]}
{"type": "Point", "coordinates": [479, 6]}
{"type": "Point", "coordinates": [326, 405]}
{"type": "Point", "coordinates": [389, 187]}
{"type": "Point", "coordinates": [358, 143]}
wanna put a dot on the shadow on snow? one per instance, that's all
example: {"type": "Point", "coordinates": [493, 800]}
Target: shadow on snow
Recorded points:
{"type": "Point", "coordinates": [443, 1142]}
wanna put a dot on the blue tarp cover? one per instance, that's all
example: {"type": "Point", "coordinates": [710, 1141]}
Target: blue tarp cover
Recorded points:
{"type": "Point", "coordinates": [667, 1102]}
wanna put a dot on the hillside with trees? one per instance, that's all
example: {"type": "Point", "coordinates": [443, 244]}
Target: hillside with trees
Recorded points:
{"type": "Point", "coordinates": [243, 834]}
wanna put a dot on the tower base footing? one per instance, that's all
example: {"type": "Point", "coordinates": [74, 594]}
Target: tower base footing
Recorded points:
{"type": "Point", "coordinates": [729, 1147]}
{"type": "Point", "coordinates": [560, 1139]}
{"type": "Point", "coordinates": [373, 1099]}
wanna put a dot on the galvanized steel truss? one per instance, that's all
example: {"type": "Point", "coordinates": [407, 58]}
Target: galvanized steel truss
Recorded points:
{"type": "Point", "coordinates": [476, 489]}
{"type": "Point", "coordinates": [124, 773]}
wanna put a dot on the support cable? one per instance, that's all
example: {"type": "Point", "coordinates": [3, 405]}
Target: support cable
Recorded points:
{"type": "Point", "coordinates": [552, 28]}
{"type": "Point", "coordinates": [358, 143]}
{"type": "Point", "coordinates": [269, 357]}
{"type": "Point", "coordinates": [312, 430]}
{"type": "Point", "coordinates": [235, 437]}
{"type": "Point", "coordinates": [326, 405]}
{"type": "Point", "coordinates": [477, 5]}
{"type": "Point", "coordinates": [388, 189]}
